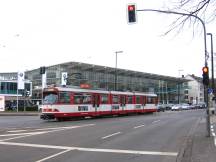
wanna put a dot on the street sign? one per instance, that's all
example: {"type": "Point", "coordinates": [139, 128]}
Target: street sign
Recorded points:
{"type": "Point", "coordinates": [210, 90]}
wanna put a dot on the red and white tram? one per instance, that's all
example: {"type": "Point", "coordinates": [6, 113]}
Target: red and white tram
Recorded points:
{"type": "Point", "coordinates": [64, 102]}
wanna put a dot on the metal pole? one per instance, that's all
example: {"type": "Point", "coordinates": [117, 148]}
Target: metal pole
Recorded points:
{"type": "Point", "coordinates": [116, 60]}
{"type": "Point", "coordinates": [212, 62]}
{"type": "Point", "coordinates": [17, 97]}
{"type": "Point", "coordinates": [115, 71]}
{"type": "Point", "coordinates": [205, 53]}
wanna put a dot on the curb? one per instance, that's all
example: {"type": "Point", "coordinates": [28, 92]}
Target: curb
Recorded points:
{"type": "Point", "coordinates": [185, 152]}
{"type": "Point", "coordinates": [19, 114]}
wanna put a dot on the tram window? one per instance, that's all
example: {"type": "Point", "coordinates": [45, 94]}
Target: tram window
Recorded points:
{"type": "Point", "coordinates": [130, 99]}
{"type": "Point", "coordinates": [150, 100]}
{"type": "Point", "coordinates": [104, 98]}
{"type": "Point", "coordinates": [115, 99]}
{"type": "Point", "coordinates": [78, 98]}
{"type": "Point", "coordinates": [137, 99]}
{"type": "Point", "coordinates": [86, 99]}
{"type": "Point", "coordinates": [64, 97]}
{"type": "Point", "coordinates": [123, 100]}
{"type": "Point", "coordinates": [82, 98]}
{"type": "Point", "coordinates": [50, 98]}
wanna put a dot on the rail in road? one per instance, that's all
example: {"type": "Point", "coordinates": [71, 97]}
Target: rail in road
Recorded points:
{"type": "Point", "coordinates": [134, 138]}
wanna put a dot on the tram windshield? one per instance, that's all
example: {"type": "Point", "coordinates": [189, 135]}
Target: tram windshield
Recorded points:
{"type": "Point", "coordinates": [50, 99]}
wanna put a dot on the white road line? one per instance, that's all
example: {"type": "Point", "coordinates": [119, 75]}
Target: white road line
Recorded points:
{"type": "Point", "coordinates": [139, 126]}
{"type": "Point", "coordinates": [155, 121]}
{"type": "Point", "coordinates": [215, 141]}
{"type": "Point", "coordinates": [93, 149]}
{"type": "Point", "coordinates": [31, 134]}
{"type": "Point", "coordinates": [111, 135]}
{"type": "Point", "coordinates": [21, 135]}
{"type": "Point", "coordinates": [52, 156]}
{"type": "Point", "coordinates": [51, 128]}
{"type": "Point", "coordinates": [213, 134]}
{"type": "Point", "coordinates": [7, 139]}
{"type": "Point", "coordinates": [16, 131]}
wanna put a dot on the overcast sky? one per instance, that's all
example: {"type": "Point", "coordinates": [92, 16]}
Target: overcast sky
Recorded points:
{"type": "Point", "coordinates": [36, 33]}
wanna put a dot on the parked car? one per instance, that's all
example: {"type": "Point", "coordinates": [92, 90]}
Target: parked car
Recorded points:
{"type": "Point", "coordinates": [201, 106]}
{"type": "Point", "coordinates": [161, 107]}
{"type": "Point", "coordinates": [176, 107]}
{"type": "Point", "coordinates": [185, 106]}
{"type": "Point", "coordinates": [169, 106]}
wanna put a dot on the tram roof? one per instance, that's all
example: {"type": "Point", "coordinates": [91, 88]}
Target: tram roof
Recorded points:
{"type": "Point", "coordinates": [76, 89]}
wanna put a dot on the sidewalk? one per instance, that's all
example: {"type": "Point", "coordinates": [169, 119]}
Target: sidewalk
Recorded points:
{"type": "Point", "coordinates": [200, 148]}
{"type": "Point", "coordinates": [21, 113]}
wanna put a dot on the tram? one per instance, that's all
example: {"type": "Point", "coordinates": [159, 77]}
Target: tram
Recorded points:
{"type": "Point", "coordinates": [66, 102]}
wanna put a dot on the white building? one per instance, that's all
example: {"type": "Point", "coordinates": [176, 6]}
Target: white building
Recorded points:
{"type": "Point", "coordinates": [195, 92]}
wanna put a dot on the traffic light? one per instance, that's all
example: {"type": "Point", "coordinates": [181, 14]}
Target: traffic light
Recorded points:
{"type": "Point", "coordinates": [205, 75]}
{"type": "Point", "coordinates": [131, 13]}
{"type": "Point", "coordinates": [42, 70]}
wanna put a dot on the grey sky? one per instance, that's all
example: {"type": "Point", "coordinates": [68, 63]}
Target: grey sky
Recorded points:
{"type": "Point", "coordinates": [36, 33]}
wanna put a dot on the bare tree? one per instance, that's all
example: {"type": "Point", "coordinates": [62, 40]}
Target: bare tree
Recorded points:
{"type": "Point", "coordinates": [205, 9]}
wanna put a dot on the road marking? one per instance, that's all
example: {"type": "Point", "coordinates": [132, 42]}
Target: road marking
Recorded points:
{"type": "Point", "coordinates": [139, 126]}
{"type": "Point", "coordinates": [51, 128]}
{"type": "Point", "coordinates": [215, 141]}
{"type": "Point", "coordinates": [16, 131]}
{"type": "Point", "coordinates": [27, 135]}
{"type": "Point", "coordinates": [213, 134]}
{"type": "Point", "coordinates": [155, 121]}
{"type": "Point", "coordinates": [7, 139]}
{"type": "Point", "coordinates": [111, 135]}
{"type": "Point", "coordinates": [92, 149]}
{"type": "Point", "coordinates": [52, 156]}
{"type": "Point", "coordinates": [21, 135]}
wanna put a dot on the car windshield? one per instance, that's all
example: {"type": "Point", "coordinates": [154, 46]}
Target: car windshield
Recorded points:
{"type": "Point", "coordinates": [50, 99]}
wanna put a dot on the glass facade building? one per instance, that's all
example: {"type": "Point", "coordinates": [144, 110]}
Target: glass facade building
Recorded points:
{"type": "Point", "coordinates": [169, 89]}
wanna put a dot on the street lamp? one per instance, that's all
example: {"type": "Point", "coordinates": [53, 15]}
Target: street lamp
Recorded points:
{"type": "Point", "coordinates": [179, 75]}
{"type": "Point", "coordinates": [115, 88]}
{"type": "Point", "coordinates": [212, 62]}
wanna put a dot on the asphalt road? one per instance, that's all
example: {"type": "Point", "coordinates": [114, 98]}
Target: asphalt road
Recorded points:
{"type": "Point", "coordinates": [157, 137]}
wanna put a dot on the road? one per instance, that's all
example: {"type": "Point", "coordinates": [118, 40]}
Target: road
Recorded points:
{"type": "Point", "coordinates": [156, 137]}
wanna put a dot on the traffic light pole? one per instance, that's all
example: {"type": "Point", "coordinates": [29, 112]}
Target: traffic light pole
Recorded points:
{"type": "Point", "coordinates": [205, 52]}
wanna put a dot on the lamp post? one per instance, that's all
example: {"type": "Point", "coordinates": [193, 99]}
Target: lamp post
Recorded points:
{"type": "Point", "coordinates": [179, 75]}
{"type": "Point", "coordinates": [212, 62]}
{"type": "Point", "coordinates": [116, 60]}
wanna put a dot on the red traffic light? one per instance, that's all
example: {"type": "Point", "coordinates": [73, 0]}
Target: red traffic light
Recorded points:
{"type": "Point", "coordinates": [205, 75]}
{"type": "Point", "coordinates": [131, 13]}
{"type": "Point", "coordinates": [131, 7]}
{"type": "Point", "coordinates": [205, 69]}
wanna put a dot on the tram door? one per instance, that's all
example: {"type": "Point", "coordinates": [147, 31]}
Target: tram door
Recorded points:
{"type": "Point", "coordinates": [122, 103]}
{"type": "Point", "coordinates": [96, 102]}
